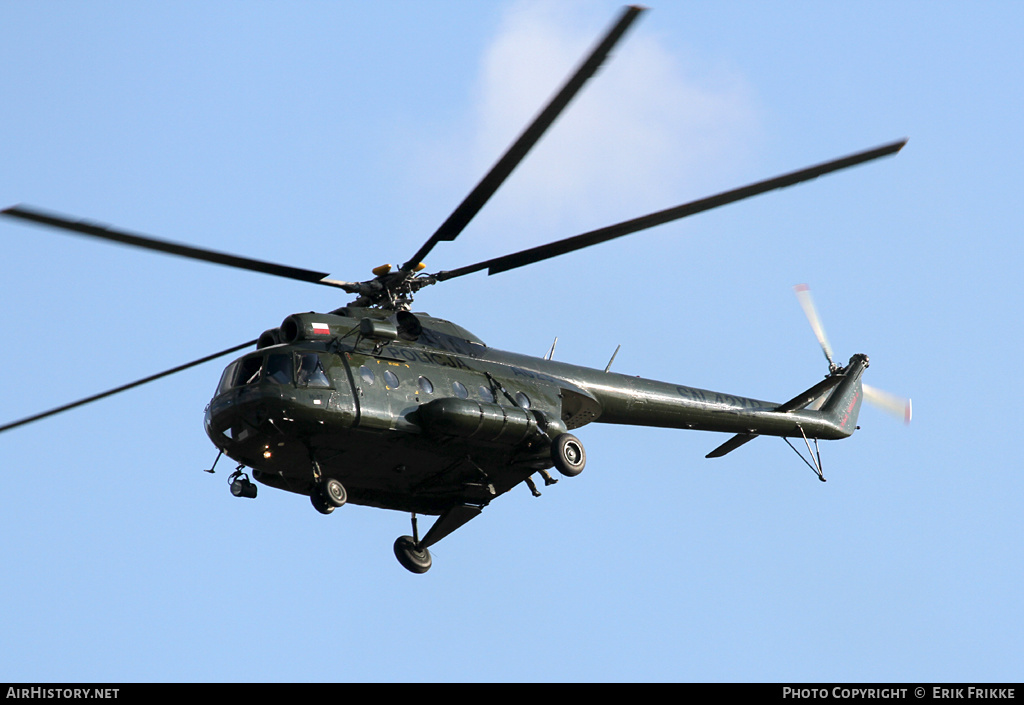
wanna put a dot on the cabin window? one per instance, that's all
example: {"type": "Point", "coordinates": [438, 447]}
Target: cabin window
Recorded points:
{"type": "Point", "coordinates": [522, 400]}
{"type": "Point", "coordinates": [486, 394]}
{"type": "Point", "coordinates": [460, 390]}
{"type": "Point", "coordinates": [390, 379]}
{"type": "Point", "coordinates": [279, 368]}
{"type": "Point", "coordinates": [311, 371]}
{"type": "Point", "coordinates": [425, 386]}
{"type": "Point", "coordinates": [366, 374]}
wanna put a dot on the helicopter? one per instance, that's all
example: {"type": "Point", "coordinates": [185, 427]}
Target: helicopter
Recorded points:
{"type": "Point", "coordinates": [378, 405]}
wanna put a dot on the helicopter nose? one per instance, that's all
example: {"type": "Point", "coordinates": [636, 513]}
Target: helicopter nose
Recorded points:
{"type": "Point", "coordinates": [230, 419]}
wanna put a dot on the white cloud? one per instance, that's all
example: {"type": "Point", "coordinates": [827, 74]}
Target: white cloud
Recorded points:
{"type": "Point", "coordinates": [644, 134]}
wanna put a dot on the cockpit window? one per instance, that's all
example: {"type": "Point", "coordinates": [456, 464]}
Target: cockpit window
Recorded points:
{"type": "Point", "coordinates": [249, 369]}
{"type": "Point", "coordinates": [311, 371]}
{"type": "Point", "coordinates": [227, 378]}
{"type": "Point", "coordinates": [279, 368]}
{"type": "Point", "coordinates": [302, 369]}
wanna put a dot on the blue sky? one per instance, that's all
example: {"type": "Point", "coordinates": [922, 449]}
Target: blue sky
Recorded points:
{"type": "Point", "coordinates": [337, 136]}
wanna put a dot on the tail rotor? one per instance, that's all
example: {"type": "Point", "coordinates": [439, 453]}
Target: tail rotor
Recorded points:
{"type": "Point", "coordinates": [889, 403]}
{"type": "Point", "coordinates": [803, 295]}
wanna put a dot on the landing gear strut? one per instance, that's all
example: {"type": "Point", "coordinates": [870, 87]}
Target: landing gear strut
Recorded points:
{"type": "Point", "coordinates": [412, 553]}
{"type": "Point", "coordinates": [414, 556]}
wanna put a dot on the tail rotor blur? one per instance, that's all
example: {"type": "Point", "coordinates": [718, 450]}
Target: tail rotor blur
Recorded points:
{"type": "Point", "coordinates": [803, 295]}
{"type": "Point", "coordinates": [889, 403]}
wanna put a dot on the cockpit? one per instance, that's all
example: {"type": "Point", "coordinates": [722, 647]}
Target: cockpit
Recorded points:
{"type": "Point", "coordinates": [302, 369]}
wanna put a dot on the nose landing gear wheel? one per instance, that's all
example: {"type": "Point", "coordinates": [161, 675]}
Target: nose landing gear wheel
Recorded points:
{"type": "Point", "coordinates": [568, 455]}
{"type": "Point", "coordinates": [319, 503]}
{"type": "Point", "coordinates": [334, 492]}
{"type": "Point", "coordinates": [414, 559]}
{"type": "Point", "coordinates": [328, 496]}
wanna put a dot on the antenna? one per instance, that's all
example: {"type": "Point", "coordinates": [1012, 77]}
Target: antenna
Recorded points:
{"type": "Point", "coordinates": [551, 352]}
{"type": "Point", "coordinates": [609, 365]}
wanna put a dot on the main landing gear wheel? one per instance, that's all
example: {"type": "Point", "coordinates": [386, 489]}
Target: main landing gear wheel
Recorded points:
{"type": "Point", "coordinates": [328, 496]}
{"type": "Point", "coordinates": [568, 455]}
{"type": "Point", "coordinates": [415, 559]}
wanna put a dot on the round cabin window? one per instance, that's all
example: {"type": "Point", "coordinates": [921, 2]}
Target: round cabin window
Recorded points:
{"type": "Point", "coordinates": [367, 374]}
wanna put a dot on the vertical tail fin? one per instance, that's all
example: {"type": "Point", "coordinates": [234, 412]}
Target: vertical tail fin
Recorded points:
{"type": "Point", "coordinates": [843, 406]}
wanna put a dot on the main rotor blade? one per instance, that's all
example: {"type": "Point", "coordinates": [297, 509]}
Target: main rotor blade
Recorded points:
{"type": "Point", "coordinates": [594, 237]}
{"type": "Point", "coordinates": [122, 388]}
{"type": "Point", "coordinates": [479, 196]}
{"type": "Point", "coordinates": [124, 237]}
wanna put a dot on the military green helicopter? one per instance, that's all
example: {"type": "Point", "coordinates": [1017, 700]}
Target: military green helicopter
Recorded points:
{"type": "Point", "coordinates": [377, 405]}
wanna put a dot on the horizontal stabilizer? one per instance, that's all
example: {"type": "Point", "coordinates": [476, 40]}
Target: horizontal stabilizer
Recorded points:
{"type": "Point", "coordinates": [731, 444]}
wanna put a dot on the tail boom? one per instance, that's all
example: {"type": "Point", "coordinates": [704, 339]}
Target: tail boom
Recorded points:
{"type": "Point", "coordinates": [650, 403]}
{"type": "Point", "coordinates": [836, 419]}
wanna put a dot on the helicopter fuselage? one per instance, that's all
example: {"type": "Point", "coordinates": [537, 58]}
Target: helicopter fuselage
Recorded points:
{"type": "Point", "coordinates": [416, 414]}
